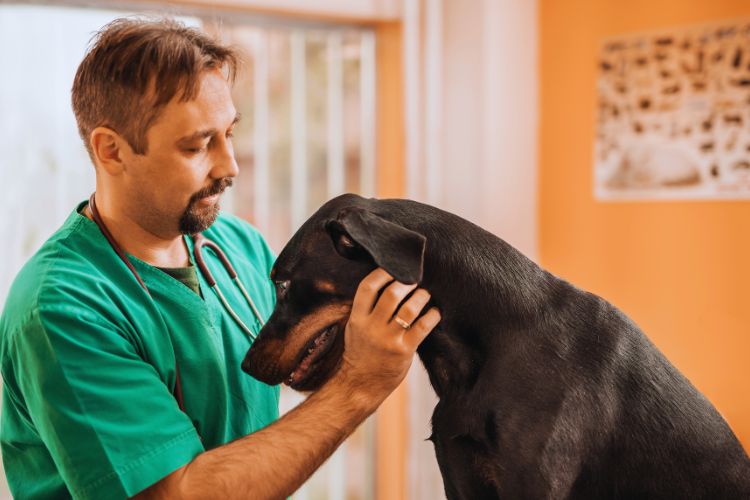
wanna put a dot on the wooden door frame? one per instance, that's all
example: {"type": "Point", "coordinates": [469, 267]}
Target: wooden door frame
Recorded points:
{"type": "Point", "coordinates": [391, 422]}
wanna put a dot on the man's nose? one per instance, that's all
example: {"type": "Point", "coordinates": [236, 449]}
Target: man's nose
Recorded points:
{"type": "Point", "coordinates": [225, 164]}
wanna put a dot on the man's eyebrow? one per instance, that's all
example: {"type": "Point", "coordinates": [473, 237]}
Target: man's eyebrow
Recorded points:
{"type": "Point", "coordinates": [203, 134]}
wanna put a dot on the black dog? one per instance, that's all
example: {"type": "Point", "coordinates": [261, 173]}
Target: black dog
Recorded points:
{"type": "Point", "coordinates": [546, 391]}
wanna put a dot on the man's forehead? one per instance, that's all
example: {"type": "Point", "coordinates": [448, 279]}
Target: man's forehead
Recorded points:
{"type": "Point", "coordinates": [212, 107]}
{"type": "Point", "coordinates": [213, 99]}
{"type": "Point", "coordinates": [205, 132]}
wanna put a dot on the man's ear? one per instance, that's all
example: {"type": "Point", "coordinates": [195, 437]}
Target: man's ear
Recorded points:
{"type": "Point", "coordinates": [398, 250]}
{"type": "Point", "coordinates": [107, 147]}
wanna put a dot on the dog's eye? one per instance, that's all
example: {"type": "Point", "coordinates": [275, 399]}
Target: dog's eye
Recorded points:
{"type": "Point", "coordinates": [346, 241]}
{"type": "Point", "coordinates": [282, 287]}
{"type": "Point", "coordinates": [348, 248]}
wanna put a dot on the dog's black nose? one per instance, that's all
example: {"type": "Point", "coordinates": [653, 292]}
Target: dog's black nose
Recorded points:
{"type": "Point", "coordinates": [246, 364]}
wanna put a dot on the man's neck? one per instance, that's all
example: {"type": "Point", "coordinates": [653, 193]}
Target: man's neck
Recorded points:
{"type": "Point", "coordinates": [141, 243]}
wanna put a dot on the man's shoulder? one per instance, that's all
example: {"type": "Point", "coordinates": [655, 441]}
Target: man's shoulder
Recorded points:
{"type": "Point", "coordinates": [53, 274]}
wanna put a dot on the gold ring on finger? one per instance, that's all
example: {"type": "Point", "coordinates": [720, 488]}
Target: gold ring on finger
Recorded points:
{"type": "Point", "coordinates": [403, 324]}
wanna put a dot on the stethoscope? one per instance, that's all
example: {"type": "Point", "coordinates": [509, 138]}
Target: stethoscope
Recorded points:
{"type": "Point", "coordinates": [199, 241]}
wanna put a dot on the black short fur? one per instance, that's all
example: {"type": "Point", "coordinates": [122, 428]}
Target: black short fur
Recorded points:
{"type": "Point", "coordinates": [545, 390]}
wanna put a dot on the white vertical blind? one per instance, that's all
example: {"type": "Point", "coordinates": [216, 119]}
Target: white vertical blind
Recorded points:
{"type": "Point", "coordinates": [335, 111]}
{"type": "Point", "coordinates": [337, 476]}
{"type": "Point", "coordinates": [261, 143]}
{"type": "Point", "coordinates": [412, 78]}
{"type": "Point", "coordinates": [299, 164]}
{"type": "Point", "coordinates": [433, 99]}
{"type": "Point", "coordinates": [299, 129]}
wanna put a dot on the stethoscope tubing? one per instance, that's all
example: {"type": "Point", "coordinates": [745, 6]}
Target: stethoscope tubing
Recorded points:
{"type": "Point", "coordinates": [113, 243]}
{"type": "Point", "coordinates": [199, 241]}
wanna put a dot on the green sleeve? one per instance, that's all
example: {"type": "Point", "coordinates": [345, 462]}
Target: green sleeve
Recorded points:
{"type": "Point", "coordinates": [110, 423]}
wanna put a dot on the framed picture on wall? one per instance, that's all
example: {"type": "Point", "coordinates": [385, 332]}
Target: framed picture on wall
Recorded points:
{"type": "Point", "coordinates": [673, 116]}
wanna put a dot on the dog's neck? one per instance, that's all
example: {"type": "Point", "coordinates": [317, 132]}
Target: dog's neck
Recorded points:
{"type": "Point", "coordinates": [486, 291]}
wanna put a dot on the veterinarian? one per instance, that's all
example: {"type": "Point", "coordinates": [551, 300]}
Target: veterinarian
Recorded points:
{"type": "Point", "coordinates": [122, 373]}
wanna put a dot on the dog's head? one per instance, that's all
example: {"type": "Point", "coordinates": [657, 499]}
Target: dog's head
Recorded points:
{"type": "Point", "coordinates": [316, 276]}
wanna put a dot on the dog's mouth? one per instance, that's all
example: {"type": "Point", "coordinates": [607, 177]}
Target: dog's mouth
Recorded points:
{"type": "Point", "coordinates": [310, 357]}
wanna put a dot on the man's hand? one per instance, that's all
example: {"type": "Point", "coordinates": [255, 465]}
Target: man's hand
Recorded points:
{"type": "Point", "coordinates": [378, 350]}
{"type": "Point", "coordinates": [274, 461]}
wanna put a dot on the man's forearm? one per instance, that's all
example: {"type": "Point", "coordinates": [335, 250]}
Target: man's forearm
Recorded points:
{"type": "Point", "coordinates": [273, 462]}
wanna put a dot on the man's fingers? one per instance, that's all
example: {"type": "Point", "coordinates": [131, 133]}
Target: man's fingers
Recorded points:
{"type": "Point", "coordinates": [367, 291]}
{"type": "Point", "coordinates": [410, 309]}
{"type": "Point", "coordinates": [390, 299]}
{"type": "Point", "coordinates": [421, 328]}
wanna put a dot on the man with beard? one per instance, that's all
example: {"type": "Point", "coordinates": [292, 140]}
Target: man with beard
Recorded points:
{"type": "Point", "coordinates": [121, 368]}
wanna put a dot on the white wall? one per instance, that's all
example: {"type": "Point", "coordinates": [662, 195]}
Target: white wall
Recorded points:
{"type": "Point", "coordinates": [471, 104]}
{"type": "Point", "coordinates": [488, 135]}
{"type": "Point", "coordinates": [510, 113]}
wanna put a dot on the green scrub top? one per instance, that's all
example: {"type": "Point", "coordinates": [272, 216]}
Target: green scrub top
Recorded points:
{"type": "Point", "coordinates": [88, 364]}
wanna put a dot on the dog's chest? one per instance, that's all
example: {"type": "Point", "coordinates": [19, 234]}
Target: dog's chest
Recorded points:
{"type": "Point", "coordinates": [465, 453]}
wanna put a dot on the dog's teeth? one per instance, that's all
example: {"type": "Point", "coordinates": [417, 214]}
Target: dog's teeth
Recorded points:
{"type": "Point", "coordinates": [310, 350]}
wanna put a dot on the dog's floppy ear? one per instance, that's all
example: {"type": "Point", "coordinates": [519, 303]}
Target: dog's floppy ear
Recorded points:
{"type": "Point", "coordinates": [398, 250]}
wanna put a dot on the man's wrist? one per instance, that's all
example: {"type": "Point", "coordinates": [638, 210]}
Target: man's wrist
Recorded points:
{"type": "Point", "coordinates": [361, 397]}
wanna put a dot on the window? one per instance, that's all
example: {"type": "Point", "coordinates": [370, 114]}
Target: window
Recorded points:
{"type": "Point", "coordinates": [307, 99]}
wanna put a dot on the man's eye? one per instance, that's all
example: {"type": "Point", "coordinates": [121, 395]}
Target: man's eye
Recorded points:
{"type": "Point", "coordinates": [230, 134]}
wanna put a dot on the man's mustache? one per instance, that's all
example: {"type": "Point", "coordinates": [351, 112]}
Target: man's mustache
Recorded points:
{"type": "Point", "coordinates": [217, 187]}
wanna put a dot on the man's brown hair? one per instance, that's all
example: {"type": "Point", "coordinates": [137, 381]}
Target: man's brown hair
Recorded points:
{"type": "Point", "coordinates": [134, 67]}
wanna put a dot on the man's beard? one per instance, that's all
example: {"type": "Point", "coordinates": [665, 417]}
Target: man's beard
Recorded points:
{"type": "Point", "coordinates": [196, 220]}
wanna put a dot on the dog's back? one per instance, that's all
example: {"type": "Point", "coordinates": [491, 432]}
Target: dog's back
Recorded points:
{"type": "Point", "coordinates": [550, 390]}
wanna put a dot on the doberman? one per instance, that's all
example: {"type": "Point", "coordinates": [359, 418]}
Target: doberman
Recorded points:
{"type": "Point", "coordinates": [545, 390]}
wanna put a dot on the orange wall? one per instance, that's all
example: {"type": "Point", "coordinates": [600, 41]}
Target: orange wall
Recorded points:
{"type": "Point", "coordinates": [681, 270]}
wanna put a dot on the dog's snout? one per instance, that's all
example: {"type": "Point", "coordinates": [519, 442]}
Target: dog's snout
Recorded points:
{"type": "Point", "coordinates": [246, 364]}
{"type": "Point", "coordinates": [252, 362]}
{"type": "Point", "coordinates": [260, 364]}
{"type": "Point", "coordinates": [255, 365]}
